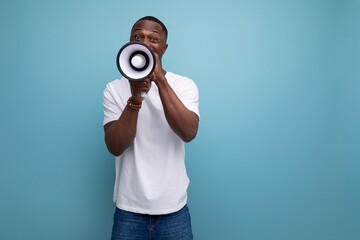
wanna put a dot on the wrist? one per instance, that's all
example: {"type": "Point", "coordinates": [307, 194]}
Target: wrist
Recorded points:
{"type": "Point", "coordinates": [161, 82]}
{"type": "Point", "coordinates": [134, 104]}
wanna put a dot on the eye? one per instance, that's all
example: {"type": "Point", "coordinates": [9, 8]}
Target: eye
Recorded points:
{"type": "Point", "coordinates": [137, 37]}
{"type": "Point", "coordinates": [154, 39]}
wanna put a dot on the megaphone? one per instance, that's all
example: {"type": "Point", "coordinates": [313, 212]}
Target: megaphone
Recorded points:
{"type": "Point", "coordinates": [135, 61]}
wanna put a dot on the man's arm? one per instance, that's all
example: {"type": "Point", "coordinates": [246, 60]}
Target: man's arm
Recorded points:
{"type": "Point", "coordinates": [120, 134]}
{"type": "Point", "coordinates": [182, 121]}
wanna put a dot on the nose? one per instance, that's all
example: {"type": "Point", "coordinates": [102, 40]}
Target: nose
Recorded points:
{"type": "Point", "coordinates": [147, 42]}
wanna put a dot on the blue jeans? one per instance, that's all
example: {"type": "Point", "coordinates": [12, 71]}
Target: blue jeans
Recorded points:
{"type": "Point", "coordinates": [131, 226]}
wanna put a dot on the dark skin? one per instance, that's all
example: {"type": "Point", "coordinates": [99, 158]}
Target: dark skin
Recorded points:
{"type": "Point", "coordinates": [120, 134]}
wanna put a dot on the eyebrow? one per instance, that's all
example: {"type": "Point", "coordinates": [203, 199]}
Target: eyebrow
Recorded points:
{"type": "Point", "coordinates": [152, 30]}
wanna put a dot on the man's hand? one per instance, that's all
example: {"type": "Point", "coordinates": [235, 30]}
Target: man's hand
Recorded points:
{"type": "Point", "coordinates": [138, 89]}
{"type": "Point", "coordinates": [158, 74]}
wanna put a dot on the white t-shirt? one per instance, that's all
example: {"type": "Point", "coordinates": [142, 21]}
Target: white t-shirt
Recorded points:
{"type": "Point", "coordinates": [151, 175]}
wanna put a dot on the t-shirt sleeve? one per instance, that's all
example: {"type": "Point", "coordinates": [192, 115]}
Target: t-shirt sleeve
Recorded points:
{"type": "Point", "coordinates": [112, 109]}
{"type": "Point", "coordinates": [190, 97]}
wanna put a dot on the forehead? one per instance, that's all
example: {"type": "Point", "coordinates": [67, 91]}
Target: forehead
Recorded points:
{"type": "Point", "coordinates": [148, 26]}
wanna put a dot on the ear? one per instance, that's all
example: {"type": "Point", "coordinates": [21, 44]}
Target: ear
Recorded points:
{"type": "Point", "coordinates": [165, 48]}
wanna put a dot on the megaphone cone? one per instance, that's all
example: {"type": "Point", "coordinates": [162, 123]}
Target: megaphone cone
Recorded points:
{"type": "Point", "coordinates": [135, 61]}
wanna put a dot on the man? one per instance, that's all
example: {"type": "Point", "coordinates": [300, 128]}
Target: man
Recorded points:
{"type": "Point", "coordinates": [146, 133]}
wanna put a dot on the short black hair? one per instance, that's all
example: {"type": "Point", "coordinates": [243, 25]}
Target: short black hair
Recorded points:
{"type": "Point", "coordinates": [154, 19]}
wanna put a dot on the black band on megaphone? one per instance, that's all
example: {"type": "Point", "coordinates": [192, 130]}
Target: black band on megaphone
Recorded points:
{"type": "Point", "coordinates": [142, 54]}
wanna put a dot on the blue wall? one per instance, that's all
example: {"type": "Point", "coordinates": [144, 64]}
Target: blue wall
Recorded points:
{"type": "Point", "coordinates": [277, 155]}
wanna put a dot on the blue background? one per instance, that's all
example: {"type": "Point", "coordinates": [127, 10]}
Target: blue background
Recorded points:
{"type": "Point", "coordinates": [277, 155]}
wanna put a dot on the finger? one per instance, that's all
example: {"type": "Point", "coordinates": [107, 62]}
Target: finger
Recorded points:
{"type": "Point", "coordinates": [143, 86]}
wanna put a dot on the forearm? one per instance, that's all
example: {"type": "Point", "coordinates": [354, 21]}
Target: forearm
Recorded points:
{"type": "Point", "coordinates": [120, 134]}
{"type": "Point", "coordinates": [182, 121]}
